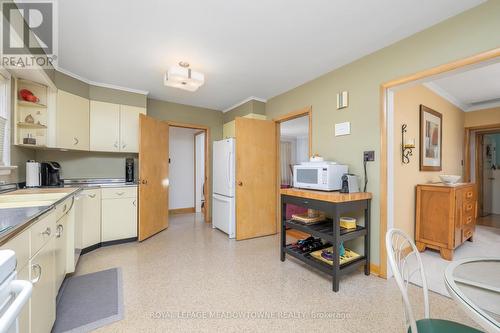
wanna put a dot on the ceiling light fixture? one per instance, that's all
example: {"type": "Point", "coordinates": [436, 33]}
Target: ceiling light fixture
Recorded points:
{"type": "Point", "coordinates": [183, 77]}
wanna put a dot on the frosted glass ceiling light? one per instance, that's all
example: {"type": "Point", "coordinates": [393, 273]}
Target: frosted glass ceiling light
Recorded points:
{"type": "Point", "coordinates": [183, 77]}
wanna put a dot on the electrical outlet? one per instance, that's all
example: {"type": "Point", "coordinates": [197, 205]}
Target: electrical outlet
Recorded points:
{"type": "Point", "coordinates": [369, 156]}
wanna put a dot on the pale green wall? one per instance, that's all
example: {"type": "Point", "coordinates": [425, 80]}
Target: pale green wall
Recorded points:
{"type": "Point", "coordinates": [464, 35]}
{"type": "Point", "coordinates": [251, 106]}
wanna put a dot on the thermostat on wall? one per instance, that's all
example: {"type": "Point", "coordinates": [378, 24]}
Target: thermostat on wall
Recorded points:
{"type": "Point", "coordinates": [343, 129]}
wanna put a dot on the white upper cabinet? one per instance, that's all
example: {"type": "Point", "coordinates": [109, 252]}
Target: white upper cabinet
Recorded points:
{"type": "Point", "coordinates": [104, 126]}
{"type": "Point", "coordinates": [129, 128]}
{"type": "Point", "coordinates": [72, 121]}
{"type": "Point", "coordinates": [114, 127]}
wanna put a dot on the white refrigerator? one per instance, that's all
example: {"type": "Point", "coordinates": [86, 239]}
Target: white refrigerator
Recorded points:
{"type": "Point", "coordinates": [223, 196]}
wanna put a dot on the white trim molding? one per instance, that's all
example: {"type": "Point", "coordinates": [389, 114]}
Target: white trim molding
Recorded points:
{"type": "Point", "coordinates": [251, 98]}
{"type": "Point", "coordinates": [100, 84]}
{"type": "Point", "coordinates": [439, 91]}
{"type": "Point", "coordinates": [466, 107]}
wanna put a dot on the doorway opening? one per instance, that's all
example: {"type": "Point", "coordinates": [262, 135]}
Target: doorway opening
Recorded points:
{"type": "Point", "coordinates": [460, 100]}
{"type": "Point", "coordinates": [485, 163]}
{"type": "Point", "coordinates": [188, 169]}
{"type": "Point", "coordinates": [294, 145]}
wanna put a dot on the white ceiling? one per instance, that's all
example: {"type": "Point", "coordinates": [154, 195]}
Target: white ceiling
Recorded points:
{"type": "Point", "coordinates": [298, 127]}
{"type": "Point", "coordinates": [245, 48]}
{"type": "Point", "coordinates": [474, 89]}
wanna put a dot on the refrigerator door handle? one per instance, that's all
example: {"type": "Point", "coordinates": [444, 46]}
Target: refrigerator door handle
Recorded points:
{"type": "Point", "coordinates": [229, 170]}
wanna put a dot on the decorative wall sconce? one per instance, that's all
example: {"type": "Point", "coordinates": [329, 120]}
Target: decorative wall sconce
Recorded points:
{"type": "Point", "coordinates": [407, 146]}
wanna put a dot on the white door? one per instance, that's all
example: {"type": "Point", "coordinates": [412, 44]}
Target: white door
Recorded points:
{"type": "Point", "coordinates": [104, 126]}
{"type": "Point", "coordinates": [223, 214]}
{"type": "Point", "coordinates": [129, 128]}
{"type": "Point", "coordinates": [223, 166]}
{"type": "Point", "coordinates": [72, 121]}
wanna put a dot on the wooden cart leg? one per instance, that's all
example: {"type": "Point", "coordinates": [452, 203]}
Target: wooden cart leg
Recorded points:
{"type": "Point", "coordinates": [367, 237]}
{"type": "Point", "coordinates": [283, 231]}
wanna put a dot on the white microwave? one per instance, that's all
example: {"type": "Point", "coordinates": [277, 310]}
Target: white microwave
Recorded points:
{"type": "Point", "coordinates": [324, 176]}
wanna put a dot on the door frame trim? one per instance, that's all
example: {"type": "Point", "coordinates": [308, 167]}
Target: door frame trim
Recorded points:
{"type": "Point", "coordinates": [206, 129]}
{"type": "Point", "coordinates": [305, 111]}
{"type": "Point", "coordinates": [383, 118]}
{"type": "Point", "coordinates": [478, 131]}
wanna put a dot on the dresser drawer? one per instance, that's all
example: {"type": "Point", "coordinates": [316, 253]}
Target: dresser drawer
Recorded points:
{"type": "Point", "coordinates": [119, 192]}
{"type": "Point", "coordinates": [467, 232]}
{"type": "Point", "coordinates": [469, 195]}
{"type": "Point", "coordinates": [21, 246]}
{"type": "Point", "coordinates": [41, 231]}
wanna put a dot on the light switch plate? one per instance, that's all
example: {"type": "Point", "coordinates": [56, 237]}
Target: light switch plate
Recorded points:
{"type": "Point", "coordinates": [342, 100]}
{"type": "Point", "coordinates": [343, 129]}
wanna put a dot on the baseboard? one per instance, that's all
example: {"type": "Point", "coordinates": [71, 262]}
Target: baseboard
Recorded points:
{"type": "Point", "coordinates": [108, 243]}
{"type": "Point", "coordinates": [374, 269]}
{"type": "Point", "coordinates": [181, 210]}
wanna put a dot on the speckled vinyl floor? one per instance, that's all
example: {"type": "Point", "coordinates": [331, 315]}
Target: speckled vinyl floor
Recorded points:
{"type": "Point", "coordinates": [192, 278]}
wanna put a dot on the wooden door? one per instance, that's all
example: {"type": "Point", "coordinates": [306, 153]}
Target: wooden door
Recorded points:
{"type": "Point", "coordinates": [129, 128]}
{"type": "Point", "coordinates": [153, 176]}
{"type": "Point", "coordinates": [72, 121]}
{"type": "Point", "coordinates": [104, 126]}
{"type": "Point", "coordinates": [255, 178]}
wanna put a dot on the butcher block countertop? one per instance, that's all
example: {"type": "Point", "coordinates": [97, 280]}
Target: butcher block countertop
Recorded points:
{"type": "Point", "coordinates": [335, 197]}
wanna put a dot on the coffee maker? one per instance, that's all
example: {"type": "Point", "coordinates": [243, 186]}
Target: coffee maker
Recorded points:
{"type": "Point", "coordinates": [50, 174]}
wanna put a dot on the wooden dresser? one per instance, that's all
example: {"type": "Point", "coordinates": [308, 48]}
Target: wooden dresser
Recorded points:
{"type": "Point", "coordinates": [445, 216]}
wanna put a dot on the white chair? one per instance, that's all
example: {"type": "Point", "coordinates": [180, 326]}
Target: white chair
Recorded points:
{"type": "Point", "coordinates": [403, 254]}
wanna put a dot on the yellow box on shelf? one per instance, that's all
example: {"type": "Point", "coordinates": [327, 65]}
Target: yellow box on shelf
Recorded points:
{"type": "Point", "coordinates": [347, 222]}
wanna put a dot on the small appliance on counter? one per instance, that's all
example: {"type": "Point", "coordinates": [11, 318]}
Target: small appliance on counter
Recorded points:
{"type": "Point", "coordinates": [33, 174]}
{"type": "Point", "coordinates": [321, 175]}
{"type": "Point", "coordinates": [349, 184]}
{"type": "Point", "coordinates": [129, 170]}
{"type": "Point", "coordinates": [50, 174]}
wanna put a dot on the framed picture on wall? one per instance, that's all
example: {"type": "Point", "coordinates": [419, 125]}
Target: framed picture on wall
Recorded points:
{"type": "Point", "coordinates": [431, 139]}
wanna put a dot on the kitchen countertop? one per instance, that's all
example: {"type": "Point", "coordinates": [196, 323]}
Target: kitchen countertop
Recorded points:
{"type": "Point", "coordinates": [15, 220]}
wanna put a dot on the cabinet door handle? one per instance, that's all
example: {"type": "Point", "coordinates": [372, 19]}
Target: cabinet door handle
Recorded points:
{"type": "Point", "coordinates": [124, 145]}
{"type": "Point", "coordinates": [120, 193]}
{"type": "Point", "coordinates": [60, 230]}
{"type": "Point", "coordinates": [134, 203]}
{"type": "Point", "coordinates": [36, 268]}
{"type": "Point", "coordinates": [76, 141]}
{"type": "Point", "coordinates": [92, 196]}
{"type": "Point", "coordinates": [46, 232]}
{"type": "Point", "coordinates": [65, 207]}
{"type": "Point", "coordinates": [116, 144]}
{"type": "Point", "coordinates": [144, 181]}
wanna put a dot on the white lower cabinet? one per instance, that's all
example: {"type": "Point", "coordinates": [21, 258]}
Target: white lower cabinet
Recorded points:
{"type": "Point", "coordinates": [90, 217]}
{"type": "Point", "coordinates": [43, 300]}
{"type": "Point", "coordinates": [119, 213]}
{"type": "Point", "coordinates": [119, 219]}
{"type": "Point", "coordinates": [60, 251]}
{"type": "Point", "coordinates": [24, 317]}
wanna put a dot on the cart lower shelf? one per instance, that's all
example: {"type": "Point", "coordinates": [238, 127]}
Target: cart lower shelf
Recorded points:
{"type": "Point", "coordinates": [323, 266]}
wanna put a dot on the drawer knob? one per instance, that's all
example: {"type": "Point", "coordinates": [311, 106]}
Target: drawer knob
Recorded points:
{"type": "Point", "coordinates": [36, 268]}
{"type": "Point", "coordinates": [469, 194]}
{"type": "Point", "coordinates": [60, 229]}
